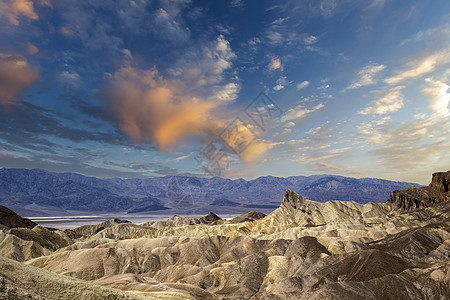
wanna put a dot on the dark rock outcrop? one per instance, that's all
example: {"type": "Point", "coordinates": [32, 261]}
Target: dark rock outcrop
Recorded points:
{"type": "Point", "coordinates": [292, 200]}
{"type": "Point", "coordinates": [441, 181]}
{"type": "Point", "coordinates": [248, 217]}
{"type": "Point", "coordinates": [421, 197]}
{"type": "Point", "coordinates": [10, 219]}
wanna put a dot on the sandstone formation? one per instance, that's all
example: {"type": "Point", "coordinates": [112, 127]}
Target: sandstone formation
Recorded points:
{"type": "Point", "coordinates": [413, 198]}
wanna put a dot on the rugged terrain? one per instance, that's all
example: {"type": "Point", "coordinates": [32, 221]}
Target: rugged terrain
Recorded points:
{"type": "Point", "coordinates": [38, 192]}
{"type": "Point", "coordinates": [302, 250]}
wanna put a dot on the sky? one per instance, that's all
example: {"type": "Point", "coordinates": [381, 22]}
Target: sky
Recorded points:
{"type": "Point", "coordinates": [238, 89]}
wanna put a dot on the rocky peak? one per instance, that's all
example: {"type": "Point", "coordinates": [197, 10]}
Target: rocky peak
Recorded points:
{"type": "Point", "coordinates": [421, 197]}
{"type": "Point", "coordinates": [211, 217]}
{"type": "Point", "coordinates": [441, 181]}
{"type": "Point", "coordinates": [292, 200]}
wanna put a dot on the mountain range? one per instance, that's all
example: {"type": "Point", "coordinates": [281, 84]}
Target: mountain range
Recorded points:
{"type": "Point", "coordinates": [38, 192]}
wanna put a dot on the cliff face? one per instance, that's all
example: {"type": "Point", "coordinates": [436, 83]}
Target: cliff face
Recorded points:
{"type": "Point", "coordinates": [441, 181]}
{"type": "Point", "coordinates": [421, 197]}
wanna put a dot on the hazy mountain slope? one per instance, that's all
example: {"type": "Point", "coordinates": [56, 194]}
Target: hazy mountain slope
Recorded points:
{"type": "Point", "coordinates": [36, 191]}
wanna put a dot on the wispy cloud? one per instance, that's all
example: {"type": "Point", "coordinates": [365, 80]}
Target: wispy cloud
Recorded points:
{"type": "Point", "coordinates": [183, 157]}
{"type": "Point", "coordinates": [420, 67]}
{"type": "Point", "coordinates": [367, 76]}
{"type": "Point", "coordinates": [69, 78]}
{"type": "Point", "coordinates": [422, 142]}
{"type": "Point", "coordinates": [282, 82]}
{"type": "Point", "coordinates": [328, 166]}
{"type": "Point", "coordinates": [391, 101]}
{"type": "Point", "coordinates": [302, 84]}
{"type": "Point", "coordinates": [300, 111]}
{"type": "Point", "coordinates": [310, 39]}
{"type": "Point", "coordinates": [228, 92]}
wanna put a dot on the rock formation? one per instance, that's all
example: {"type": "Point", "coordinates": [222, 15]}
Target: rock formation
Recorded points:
{"type": "Point", "coordinates": [414, 198]}
{"type": "Point", "coordinates": [10, 219]}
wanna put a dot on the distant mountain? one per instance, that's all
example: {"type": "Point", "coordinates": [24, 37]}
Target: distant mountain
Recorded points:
{"type": "Point", "coordinates": [31, 192]}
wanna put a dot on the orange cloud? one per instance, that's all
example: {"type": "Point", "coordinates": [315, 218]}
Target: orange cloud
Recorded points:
{"type": "Point", "coordinates": [150, 108]}
{"type": "Point", "coordinates": [16, 75]}
{"type": "Point", "coordinates": [256, 150]}
{"type": "Point", "coordinates": [243, 139]}
{"type": "Point", "coordinates": [275, 64]}
{"type": "Point", "coordinates": [31, 49]}
{"type": "Point", "coordinates": [12, 9]}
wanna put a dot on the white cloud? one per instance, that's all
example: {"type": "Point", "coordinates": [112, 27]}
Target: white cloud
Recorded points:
{"type": "Point", "coordinates": [324, 87]}
{"type": "Point", "coordinates": [254, 41]}
{"type": "Point", "coordinates": [367, 76]}
{"type": "Point", "coordinates": [390, 102]}
{"type": "Point", "coordinates": [184, 156]}
{"type": "Point", "coordinates": [302, 85]}
{"type": "Point", "coordinates": [300, 111]}
{"type": "Point", "coordinates": [204, 70]}
{"type": "Point", "coordinates": [289, 124]}
{"type": "Point", "coordinates": [437, 93]}
{"type": "Point", "coordinates": [310, 39]}
{"type": "Point", "coordinates": [413, 145]}
{"type": "Point", "coordinates": [274, 37]}
{"type": "Point", "coordinates": [419, 67]}
{"type": "Point", "coordinates": [69, 78]}
{"type": "Point", "coordinates": [282, 82]}
{"type": "Point", "coordinates": [228, 92]}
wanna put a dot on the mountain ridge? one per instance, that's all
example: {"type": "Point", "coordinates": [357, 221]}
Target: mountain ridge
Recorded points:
{"type": "Point", "coordinates": [29, 192]}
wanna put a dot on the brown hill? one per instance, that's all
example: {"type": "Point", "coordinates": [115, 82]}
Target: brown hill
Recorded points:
{"type": "Point", "coordinates": [10, 219]}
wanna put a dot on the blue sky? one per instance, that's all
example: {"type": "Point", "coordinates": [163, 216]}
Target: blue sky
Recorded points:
{"type": "Point", "coordinates": [231, 88]}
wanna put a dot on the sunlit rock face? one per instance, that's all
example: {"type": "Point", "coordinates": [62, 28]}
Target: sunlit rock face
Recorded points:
{"type": "Point", "coordinates": [413, 198]}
